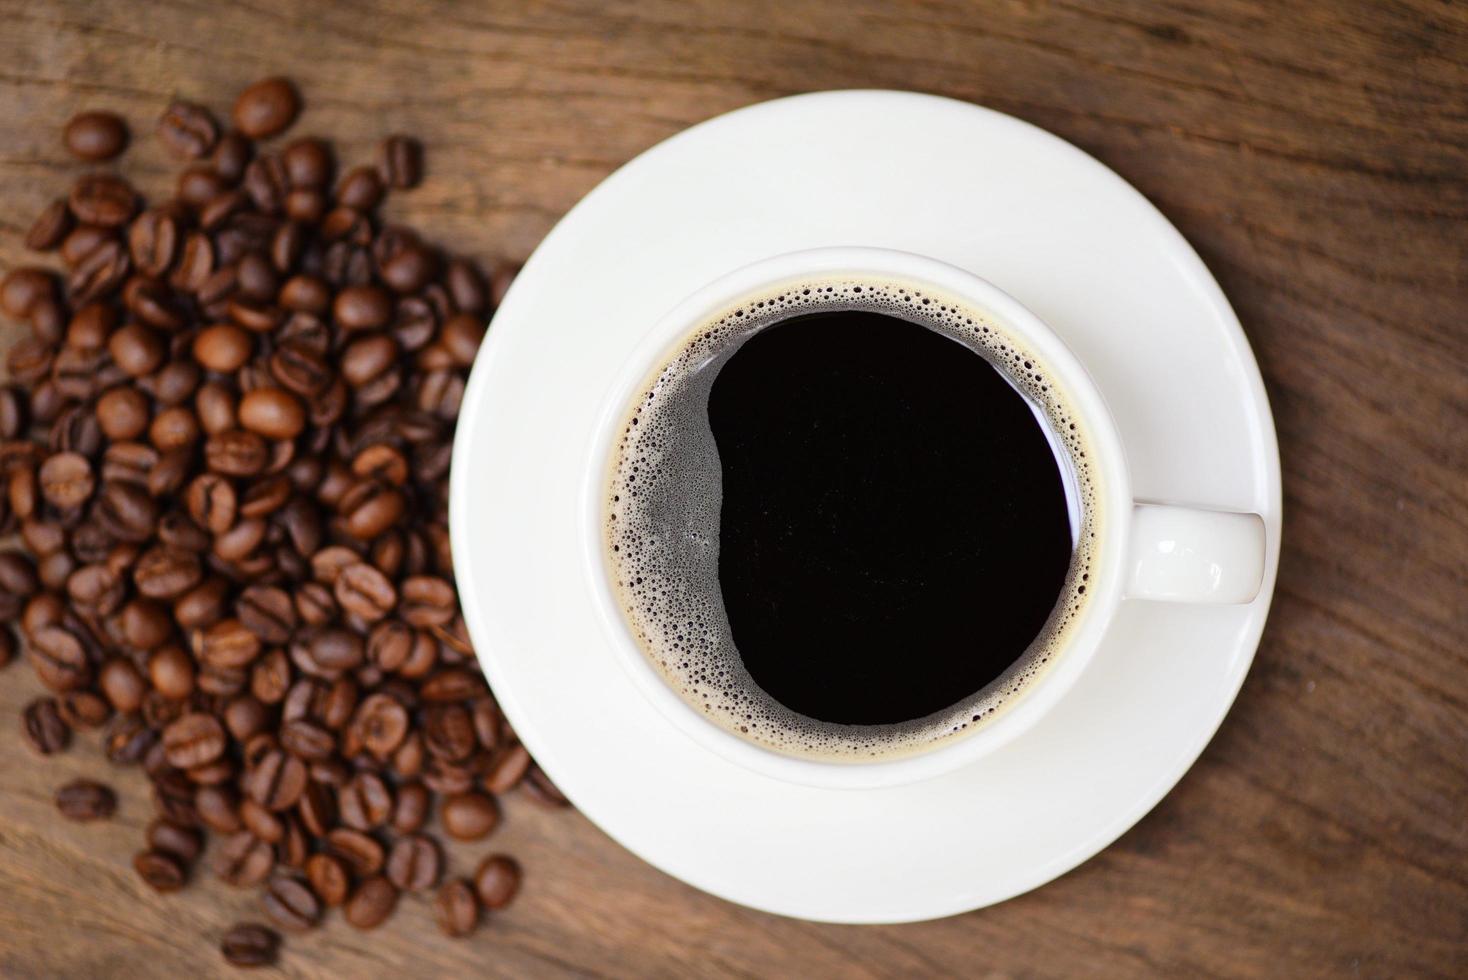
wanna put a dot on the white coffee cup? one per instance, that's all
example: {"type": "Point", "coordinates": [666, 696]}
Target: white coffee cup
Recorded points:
{"type": "Point", "coordinates": [1146, 550]}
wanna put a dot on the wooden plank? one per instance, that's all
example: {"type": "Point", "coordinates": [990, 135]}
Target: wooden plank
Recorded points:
{"type": "Point", "coordinates": [1316, 154]}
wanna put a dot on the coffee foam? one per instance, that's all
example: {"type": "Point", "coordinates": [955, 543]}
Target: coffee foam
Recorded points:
{"type": "Point", "coordinates": [661, 522]}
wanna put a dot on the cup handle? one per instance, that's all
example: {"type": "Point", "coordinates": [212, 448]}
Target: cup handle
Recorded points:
{"type": "Point", "coordinates": [1181, 554]}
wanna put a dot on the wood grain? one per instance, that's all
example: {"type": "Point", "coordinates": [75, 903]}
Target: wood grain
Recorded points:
{"type": "Point", "coordinates": [1315, 153]}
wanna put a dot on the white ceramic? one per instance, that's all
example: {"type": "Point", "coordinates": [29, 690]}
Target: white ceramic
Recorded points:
{"type": "Point", "coordinates": [975, 189]}
{"type": "Point", "coordinates": [1145, 551]}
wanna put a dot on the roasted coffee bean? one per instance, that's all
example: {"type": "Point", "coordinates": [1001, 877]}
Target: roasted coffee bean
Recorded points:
{"type": "Point", "coordinates": [307, 163]}
{"type": "Point", "coordinates": [410, 269]}
{"type": "Point", "coordinates": [497, 881]}
{"type": "Point", "coordinates": [86, 800]}
{"type": "Point", "coordinates": [329, 879]}
{"type": "Point", "coordinates": [22, 289]}
{"type": "Point", "coordinates": [456, 908]}
{"type": "Point", "coordinates": [128, 740]}
{"type": "Point", "coordinates": [249, 944]}
{"type": "Point", "coordinates": [122, 684]}
{"type": "Point", "coordinates": [154, 239]}
{"type": "Point", "coordinates": [367, 358]}
{"type": "Point", "coordinates": [469, 816]}
{"type": "Point", "coordinates": [50, 227]}
{"type": "Point", "coordinates": [453, 684]}
{"type": "Point", "coordinates": [307, 740]}
{"type": "Point", "coordinates": [380, 723]}
{"type": "Point", "coordinates": [188, 130]}
{"type": "Point", "coordinates": [273, 413]}
{"type": "Point", "coordinates": [427, 601]}
{"type": "Point", "coordinates": [461, 336]}
{"type": "Point", "coordinates": [261, 822]}
{"type": "Point", "coordinates": [365, 802]}
{"type": "Point", "coordinates": [127, 511]}
{"type": "Point", "coordinates": [362, 308]}
{"type": "Point", "coordinates": [102, 200]}
{"type": "Point", "coordinates": [194, 740]}
{"type": "Point", "coordinates": [275, 780]}
{"type": "Point", "coordinates": [223, 347]}
{"type": "Point", "coordinates": [44, 728]}
{"type": "Point", "coordinates": [66, 481]}
{"type": "Point", "coordinates": [95, 135]}
{"type": "Point", "coordinates": [58, 658]}
{"type": "Point", "coordinates": [231, 155]}
{"type": "Point", "coordinates": [371, 903]}
{"type": "Point", "coordinates": [508, 769]}
{"type": "Point", "coordinates": [17, 575]}
{"type": "Point", "coordinates": [267, 612]}
{"type": "Point", "coordinates": [83, 709]}
{"type": "Point", "coordinates": [166, 572]}
{"type": "Point", "coordinates": [365, 592]}
{"type": "Point", "coordinates": [401, 162]}
{"type": "Point", "coordinates": [414, 863]}
{"type": "Point", "coordinates": [236, 453]}
{"type": "Point", "coordinates": [449, 732]}
{"type": "Point", "coordinates": [123, 413]}
{"type": "Point", "coordinates": [243, 860]}
{"type": "Point", "coordinates": [171, 671]}
{"type": "Point", "coordinates": [161, 871]}
{"type": "Point", "coordinates": [360, 851]}
{"type": "Point", "coordinates": [98, 272]}
{"type": "Point", "coordinates": [291, 904]}
{"type": "Point", "coordinates": [266, 108]}
{"type": "Point", "coordinates": [184, 843]}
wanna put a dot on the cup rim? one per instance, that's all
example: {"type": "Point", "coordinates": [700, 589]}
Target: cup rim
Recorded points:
{"type": "Point", "coordinates": [1111, 478]}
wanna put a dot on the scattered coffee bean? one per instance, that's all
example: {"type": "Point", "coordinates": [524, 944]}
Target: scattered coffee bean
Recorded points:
{"type": "Point", "coordinates": [227, 439]}
{"type": "Point", "coordinates": [266, 108]}
{"type": "Point", "coordinates": [162, 871]}
{"type": "Point", "coordinates": [456, 908]}
{"type": "Point", "coordinates": [371, 904]}
{"type": "Point", "coordinates": [249, 944]}
{"type": "Point", "coordinates": [95, 135]}
{"type": "Point", "coordinates": [44, 728]}
{"type": "Point", "coordinates": [469, 816]}
{"type": "Point", "coordinates": [291, 904]}
{"type": "Point", "coordinates": [86, 800]}
{"type": "Point", "coordinates": [497, 881]}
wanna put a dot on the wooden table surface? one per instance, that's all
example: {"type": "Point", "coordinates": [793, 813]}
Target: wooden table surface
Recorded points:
{"type": "Point", "coordinates": [1314, 154]}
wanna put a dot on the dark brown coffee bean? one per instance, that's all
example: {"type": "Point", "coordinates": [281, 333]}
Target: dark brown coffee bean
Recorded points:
{"type": "Point", "coordinates": [329, 879]}
{"type": "Point", "coordinates": [365, 802]}
{"type": "Point", "coordinates": [448, 732]}
{"type": "Point", "coordinates": [469, 816]}
{"type": "Point", "coordinates": [22, 289]}
{"type": "Point", "coordinates": [243, 860]}
{"type": "Point", "coordinates": [454, 684]}
{"type": "Point", "coordinates": [188, 130]}
{"type": "Point", "coordinates": [381, 724]}
{"type": "Point", "coordinates": [212, 502]}
{"type": "Point", "coordinates": [414, 863]}
{"type": "Point", "coordinates": [266, 108]}
{"type": "Point", "coordinates": [410, 269]}
{"type": "Point", "coordinates": [127, 511]}
{"type": "Point", "coordinates": [86, 800]}
{"type": "Point", "coordinates": [371, 903]}
{"type": "Point", "coordinates": [99, 272]}
{"type": "Point", "coordinates": [102, 200]}
{"type": "Point", "coordinates": [58, 658]}
{"type": "Point", "coordinates": [360, 851]}
{"type": "Point", "coordinates": [96, 589]}
{"type": "Point", "coordinates": [231, 155]}
{"type": "Point", "coordinates": [401, 162]}
{"type": "Point", "coordinates": [182, 842]}
{"type": "Point", "coordinates": [166, 573]}
{"type": "Point", "coordinates": [307, 740]}
{"type": "Point", "coordinates": [275, 780]}
{"type": "Point", "coordinates": [291, 904]}
{"type": "Point", "coordinates": [509, 768]}
{"type": "Point", "coordinates": [371, 510]}
{"type": "Point", "coordinates": [123, 413]}
{"type": "Point", "coordinates": [17, 575]}
{"type": "Point", "coordinates": [456, 908]}
{"type": "Point", "coordinates": [154, 239]}
{"type": "Point", "coordinates": [236, 453]}
{"type": "Point", "coordinates": [66, 481]}
{"type": "Point", "coordinates": [249, 944]}
{"type": "Point", "coordinates": [367, 358]}
{"type": "Point", "coordinates": [128, 739]}
{"type": "Point", "coordinates": [365, 592]}
{"type": "Point", "coordinates": [197, 186]}
{"type": "Point", "coordinates": [362, 308]}
{"type": "Point", "coordinates": [83, 709]}
{"type": "Point", "coordinates": [50, 227]}
{"type": "Point", "coordinates": [136, 349]}
{"type": "Point", "coordinates": [497, 881]}
{"type": "Point", "coordinates": [122, 684]}
{"type": "Point", "coordinates": [223, 347]}
{"type": "Point", "coordinates": [267, 612]}
{"type": "Point", "coordinates": [161, 871]}
{"type": "Point", "coordinates": [461, 337]}
{"type": "Point", "coordinates": [428, 601]}
{"type": "Point", "coordinates": [193, 740]}
{"type": "Point", "coordinates": [307, 163]}
{"type": "Point", "coordinates": [334, 650]}
{"type": "Point", "coordinates": [95, 135]}
{"type": "Point", "coordinates": [273, 413]}
{"type": "Point", "coordinates": [44, 728]}
{"type": "Point", "coordinates": [216, 807]}
{"type": "Point", "coordinates": [228, 643]}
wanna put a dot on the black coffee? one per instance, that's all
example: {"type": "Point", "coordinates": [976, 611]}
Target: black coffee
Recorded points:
{"type": "Point", "coordinates": [850, 518]}
{"type": "Point", "coordinates": [894, 530]}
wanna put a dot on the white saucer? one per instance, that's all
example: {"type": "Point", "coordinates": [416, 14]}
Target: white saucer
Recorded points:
{"type": "Point", "coordinates": [975, 188]}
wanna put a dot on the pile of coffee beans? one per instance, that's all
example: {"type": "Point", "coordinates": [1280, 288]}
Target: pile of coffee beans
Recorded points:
{"type": "Point", "coordinates": [225, 449]}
